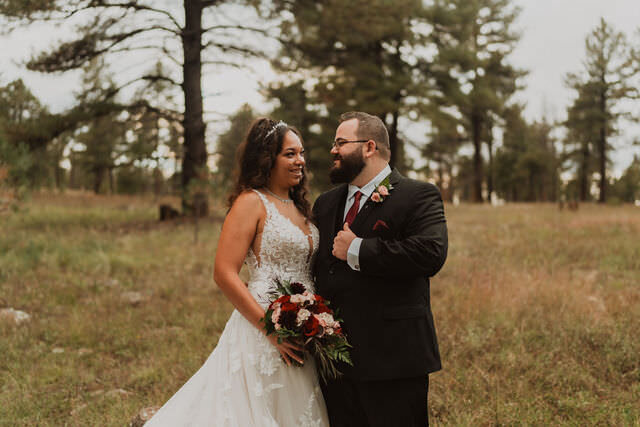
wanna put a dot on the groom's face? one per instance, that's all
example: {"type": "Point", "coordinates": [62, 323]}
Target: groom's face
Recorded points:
{"type": "Point", "coordinates": [348, 159]}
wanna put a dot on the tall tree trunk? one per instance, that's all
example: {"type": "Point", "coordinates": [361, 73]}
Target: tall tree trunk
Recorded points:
{"type": "Point", "coordinates": [490, 171]}
{"type": "Point", "coordinates": [393, 142]}
{"type": "Point", "coordinates": [98, 177]}
{"type": "Point", "coordinates": [58, 175]}
{"type": "Point", "coordinates": [602, 150]}
{"type": "Point", "coordinates": [194, 162]}
{"type": "Point", "coordinates": [476, 124]}
{"type": "Point", "coordinates": [583, 174]}
{"type": "Point", "coordinates": [451, 187]}
{"type": "Point", "coordinates": [440, 182]}
{"type": "Point", "coordinates": [111, 182]}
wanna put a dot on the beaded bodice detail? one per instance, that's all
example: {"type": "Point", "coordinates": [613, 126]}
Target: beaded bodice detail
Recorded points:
{"type": "Point", "coordinates": [285, 253]}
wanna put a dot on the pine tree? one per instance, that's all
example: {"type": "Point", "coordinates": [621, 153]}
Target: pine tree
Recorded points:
{"type": "Point", "coordinates": [186, 36]}
{"type": "Point", "coordinates": [228, 144]}
{"type": "Point", "coordinates": [474, 39]}
{"type": "Point", "coordinates": [343, 56]}
{"type": "Point", "coordinates": [602, 86]}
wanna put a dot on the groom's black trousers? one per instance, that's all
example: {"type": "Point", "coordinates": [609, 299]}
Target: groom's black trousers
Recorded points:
{"type": "Point", "coordinates": [389, 403]}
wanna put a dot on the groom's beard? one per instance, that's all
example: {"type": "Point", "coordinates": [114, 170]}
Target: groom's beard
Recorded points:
{"type": "Point", "coordinates": [350, 167]}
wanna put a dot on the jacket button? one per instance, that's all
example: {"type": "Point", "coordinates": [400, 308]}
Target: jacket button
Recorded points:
{"type": "Point", "coordinates": [331, 271]}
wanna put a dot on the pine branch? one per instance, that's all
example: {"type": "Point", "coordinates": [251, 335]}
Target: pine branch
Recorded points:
{"type": "Point", "coordinates": [235, 27]}
{"type": "Point", "coordinates": [235, 49]}
{"type": "Point", "coordinates": [135, 6]}
{"type": "Point", "coordinates": [209, 3]}
{"type": "Point", "coordinates": [224, 63]}
{"type": "Point", "coordinates": [75, 54]}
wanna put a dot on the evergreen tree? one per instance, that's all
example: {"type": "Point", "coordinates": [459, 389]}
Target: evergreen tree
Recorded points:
{"type": "Point", "coordinates": [186, 36]}
{"type": "Point", "coordinates": [442, 151]}
{"type": "Point", "coordinates": [228, 144]}
{"type": "Point", "coordinates": [627, 188]}
{"type": "Point", "coordinates": [527, 165]}
{"type": "Point", "coordinates": [361, 56]}
{"type": "Point", "coordinates": [474, 39]}
{"type": "Point", "coordinates": [602, 86]}
{"type": "Point", "coordinates": [21, 114]}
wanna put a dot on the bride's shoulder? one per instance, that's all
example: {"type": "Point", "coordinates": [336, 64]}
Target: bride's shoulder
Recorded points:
{"type": "Point", "coordinates": [248, 202]}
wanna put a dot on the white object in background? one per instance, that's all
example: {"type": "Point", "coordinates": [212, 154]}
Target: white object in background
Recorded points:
{"type": "Point", "coordinates": [495, 200]}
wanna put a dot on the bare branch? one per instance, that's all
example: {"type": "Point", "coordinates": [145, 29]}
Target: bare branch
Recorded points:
{"type": "Point", "coordinates": [74, 54]}
{"type": "Point", "coordinates": [236, 27]}
{"type": "Point", "coordinates": [135, 48]}
{"type": "Point", "coordinates": [147, 77]}
{"type": "Point", "coordinates": [223, 63]}
{"type": "Point", "coordinates": [169, 55]}
{"type": "Point", "coordinates": [235, 49]}
{"type": "Point", "coordinates": [165, 113]}
{"type": "Point", "coordinates": [134, 5]}
{"type": "Point", "coordinates": [208, 3]}
{"type": "Point", "coordinates": [160, 77]}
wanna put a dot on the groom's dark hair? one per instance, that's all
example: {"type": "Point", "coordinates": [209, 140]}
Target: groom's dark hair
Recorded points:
{"type": "Point", "coordinates": [371, 127]}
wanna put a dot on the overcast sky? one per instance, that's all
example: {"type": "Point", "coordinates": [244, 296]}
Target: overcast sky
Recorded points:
{"type": "Point", "coordinates": [552, 44]}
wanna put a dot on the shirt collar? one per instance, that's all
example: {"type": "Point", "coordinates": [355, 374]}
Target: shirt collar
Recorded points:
{"type": "Point", "coordinates": [368, 188]}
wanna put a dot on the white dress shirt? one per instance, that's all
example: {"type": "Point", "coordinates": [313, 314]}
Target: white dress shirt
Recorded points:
{"type": "Point", "coordinates": [353, 253]}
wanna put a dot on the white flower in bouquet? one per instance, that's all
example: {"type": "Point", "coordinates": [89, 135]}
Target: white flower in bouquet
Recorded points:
{"type": "Point", "coordinates": [275, 317]}
{"type": "Point", "coordinates": [300, 299]}
{"type": "Point", "coordinates": [302, 317]}
{"type": "Point", "coordinates": [326, 320]}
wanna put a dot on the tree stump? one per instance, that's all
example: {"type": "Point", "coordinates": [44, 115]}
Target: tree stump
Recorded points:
{"type": "Point", "coordinates": [168, 213]}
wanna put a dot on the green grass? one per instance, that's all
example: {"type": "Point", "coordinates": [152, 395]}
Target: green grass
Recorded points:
{"type": "Point", "coordinates": [537, 312]}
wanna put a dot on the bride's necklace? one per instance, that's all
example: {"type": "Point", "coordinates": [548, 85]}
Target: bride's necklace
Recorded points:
{"type": "Point", "coordinates": [278, 197]}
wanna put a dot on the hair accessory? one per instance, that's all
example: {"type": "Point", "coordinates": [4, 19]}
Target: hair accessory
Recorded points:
{"type": "Point", "coordinates": [276, 126]}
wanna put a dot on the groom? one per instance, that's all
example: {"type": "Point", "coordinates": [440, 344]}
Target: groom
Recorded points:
{"type": "Point", "coordinates": [381, 237]}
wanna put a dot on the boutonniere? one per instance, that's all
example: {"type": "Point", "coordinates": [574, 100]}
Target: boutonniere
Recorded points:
{"type": "Point", "coordinates": [382, 191]}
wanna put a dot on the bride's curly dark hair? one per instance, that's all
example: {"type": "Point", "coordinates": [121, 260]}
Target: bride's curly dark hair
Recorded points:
{"type": "Point", "coordinates": [256, 157]}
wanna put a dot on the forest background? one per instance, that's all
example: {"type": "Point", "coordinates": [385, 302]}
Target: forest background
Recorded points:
{"type": "Point", "coordinates": [439, 73]}
{"type": "Point", "coordinates": [105, 311]}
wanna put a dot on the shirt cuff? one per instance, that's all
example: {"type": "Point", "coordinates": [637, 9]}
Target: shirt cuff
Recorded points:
{"type": "Point", "coordinates": [353, 254]}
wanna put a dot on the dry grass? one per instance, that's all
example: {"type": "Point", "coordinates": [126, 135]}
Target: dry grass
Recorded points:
{"type": "Point", "coordinates": [536, 311]}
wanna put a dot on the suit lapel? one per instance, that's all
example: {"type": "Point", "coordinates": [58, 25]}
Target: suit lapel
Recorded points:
{"type": "Point", "coordinates": [371, 206]}
{"type": "Point", "coordinates": [334, 216]}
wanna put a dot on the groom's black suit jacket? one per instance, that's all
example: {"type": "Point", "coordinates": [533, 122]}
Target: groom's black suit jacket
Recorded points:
{"type": "Point", "coordinates": [386, 305]}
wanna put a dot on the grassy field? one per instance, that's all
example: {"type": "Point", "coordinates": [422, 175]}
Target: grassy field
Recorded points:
{"type": "Point", "coordinates": [538, 313]}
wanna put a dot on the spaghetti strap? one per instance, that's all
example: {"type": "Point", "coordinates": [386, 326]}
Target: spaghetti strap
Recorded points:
{"type": "Point", "coordinates": [267, 204]}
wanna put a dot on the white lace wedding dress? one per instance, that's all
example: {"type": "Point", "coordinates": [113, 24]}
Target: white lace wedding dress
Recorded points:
{"type": "Point", "coordinates": [244, 382]}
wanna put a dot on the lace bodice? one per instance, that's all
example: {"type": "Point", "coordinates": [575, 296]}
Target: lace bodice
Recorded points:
{"type": "Point", "coordinates": [285, 253]}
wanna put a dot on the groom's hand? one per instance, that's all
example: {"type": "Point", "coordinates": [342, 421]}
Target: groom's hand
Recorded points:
{"type": "Point", "coordinates": [342, 242]}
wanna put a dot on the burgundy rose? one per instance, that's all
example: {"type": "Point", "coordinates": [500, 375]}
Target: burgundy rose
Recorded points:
{"type": "Point", "coordinates": [320, 308]}
{"type": "Point", "coordinates": [297, 288]}
{"type": "Point", "coordinates": [288, 315]}
{"type": "Point", "coordinates": [283, 299]}
{"type": "Point", "coordinates": [312, 327]}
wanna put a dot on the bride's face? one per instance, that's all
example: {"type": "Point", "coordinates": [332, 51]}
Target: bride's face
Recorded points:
{"type": "Point", "coordinates": [289, 167]}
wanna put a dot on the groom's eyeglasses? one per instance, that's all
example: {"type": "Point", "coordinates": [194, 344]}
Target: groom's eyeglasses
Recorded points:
{"type": "Point", "coordinates": [340, 142]}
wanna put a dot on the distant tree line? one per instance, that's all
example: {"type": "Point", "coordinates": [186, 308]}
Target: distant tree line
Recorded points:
{"type": "Point", "coordinates": [441, 66]}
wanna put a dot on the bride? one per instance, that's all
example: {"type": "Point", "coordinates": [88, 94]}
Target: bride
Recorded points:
{"type": "Point", "coordinates": [249, 379]}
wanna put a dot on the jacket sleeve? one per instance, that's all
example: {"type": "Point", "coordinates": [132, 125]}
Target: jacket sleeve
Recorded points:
{"type": "Point", "coordinates": [420, 249]}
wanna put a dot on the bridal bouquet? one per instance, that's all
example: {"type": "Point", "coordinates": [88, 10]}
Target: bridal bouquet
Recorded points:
{"type": "Point", "coordinates": [297, 314]}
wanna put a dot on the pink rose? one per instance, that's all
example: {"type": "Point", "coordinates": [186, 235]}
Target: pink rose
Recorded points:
{"type": "Point", "coordinates": [376, 197]}
{"type": "Point", "coordinates": [383, 191]}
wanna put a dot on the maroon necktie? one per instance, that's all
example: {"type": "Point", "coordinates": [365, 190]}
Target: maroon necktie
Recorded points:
{"type": "Point", "coordinates": [353, 211]}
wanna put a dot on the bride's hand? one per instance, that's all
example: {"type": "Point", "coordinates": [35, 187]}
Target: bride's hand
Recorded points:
{"type": "Point", "coordinates": [287, 349]}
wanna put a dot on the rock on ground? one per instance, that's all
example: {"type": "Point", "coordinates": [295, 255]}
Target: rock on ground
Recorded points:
{"type": "Point", "coordinates": [15, 316]}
